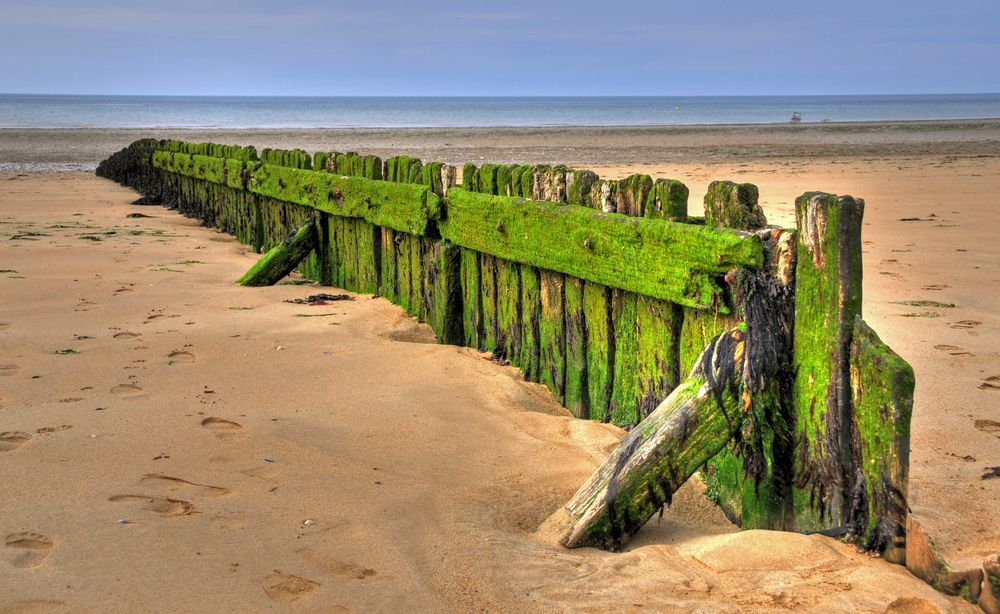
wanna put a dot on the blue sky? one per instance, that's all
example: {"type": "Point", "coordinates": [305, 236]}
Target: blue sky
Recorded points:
{"type": "Point", "coordinates": [517, 47]}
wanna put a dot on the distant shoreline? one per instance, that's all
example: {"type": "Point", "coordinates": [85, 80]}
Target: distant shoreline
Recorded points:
{"type": "Point", "coordinates": [82, 148]}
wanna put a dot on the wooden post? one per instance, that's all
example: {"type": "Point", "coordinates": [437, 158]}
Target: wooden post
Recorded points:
{"type": "Point", "coordinates": [827, 300]}
{"type": "Point", "coordinates": [279, 261]}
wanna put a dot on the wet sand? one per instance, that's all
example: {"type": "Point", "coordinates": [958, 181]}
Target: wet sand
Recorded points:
{"type": "Point", "coordinates": [209, 448]}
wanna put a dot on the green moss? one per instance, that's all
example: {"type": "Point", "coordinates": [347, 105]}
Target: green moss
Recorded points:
{"type": "Point", "coordinates": [369, 252]}
{"type": "Point", "coordinates": [388, 278]}
{"type": "Point", "coordinates": [625, 393]}
{"type": "Point", "coordinates": [470, 177]}
{"type": "Point", "coordinates": [531, 310]}
{"type": "Point", "coordinates": [488, 281]}
{"type": "Point", "coordinates": [667, 200]}
{"type": "Point", "coordinates": [509, 310]}
{"type": "Point", "coordinates": [472, 309]}
{"type": "Point", "coordinates": [882, 387]}
{"type": "Point", "coordinates": [442, 292]}
{"type": "Point", "coordinates": [676, 262]}
{"type": "Point", "coordinates": [733, 205]}
{"type": "Point", "coordinates": [552, 333]}
{"type": "Point", "coordinates": [576, 397]}
{"type": "Point", "coordinates": [658, 328]}
{"type": "Point", "coordinates": [600, 349]}
{"type": "Point", "coordinates": [827, 299]}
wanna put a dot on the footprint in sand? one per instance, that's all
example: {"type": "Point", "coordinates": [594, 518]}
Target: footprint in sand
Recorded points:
{"type": "Point", "coordinates": [936, 287]}
{"type": "Point", "coordinates": [9, 370]}
{"type": "Point", "coordinates": [4, 325]}
{"type": "Point", "coordinates": [27, 550]}
{"type": "Point", "coordinates": [221, 427]}
{"type": "Point", "coordinates": [180, 357]}
{"type": "Point", "coordinates": [164, 506]}
{"type": "Point", "coordinates": [329, 564]}
{"type": "Point", "coordinates": [122, 290]}
{"type": "Point", "coordinates": [286, 588]}
{"type": "Point", "coordinates": [11, 440]}
{"type": "Point", "coordinates": [127, 390]}
{"type": "Point", "coordinates": [954, 350]}
{"type": "Point", "coordinates": [180, 486]}
{"type": "Point", "coordinates": [989, 426]}
{"type": "Point", "coordinates": [991, 383]}
{"type": "Point", "coordinates": [965, 324]}
{"type": "Point", "coordinates": [127, 335]}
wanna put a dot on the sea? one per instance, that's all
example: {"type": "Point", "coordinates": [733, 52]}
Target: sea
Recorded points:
{"type": "Point", "coordinates": [274, 112]}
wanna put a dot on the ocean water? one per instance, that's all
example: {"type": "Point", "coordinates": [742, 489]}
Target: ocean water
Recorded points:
{"type": "Point", "coordinates": [47, 111]}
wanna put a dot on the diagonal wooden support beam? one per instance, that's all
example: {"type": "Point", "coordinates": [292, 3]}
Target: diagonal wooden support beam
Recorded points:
{"type": "Point", "coordinates": [281, 260]}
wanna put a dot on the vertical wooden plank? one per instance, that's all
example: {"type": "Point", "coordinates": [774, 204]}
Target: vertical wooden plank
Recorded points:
{"type": "Point", "coordinates": [576, 397]}
{"type": "Point", "coordinates": [442, 292]}
{"type": "Point", "coordinates": [509, 310]}
{"type": "Point", "coordinates": [531, 310]}
{"type": "Point", "coordinates": [472, 309]}
{"type": "Point", "coordinates": [600, 349]}
{"type": "Point", "coordinates": [404, 270]}
{"type": "Point", "coordinates": [388, 280]}
{"type": "Point", "coordinates": [625, 393]}
{"type": "Point", "coordinates": [417, 251]}
{"type": "Point", "coordinates": [658, 325]}
{"type": "Point", "coordinates": [552, 333]}
{"type": "Point", "coordinates": [827, 300]}
{"type": "Point", "coordinates": [488, 279]}
{"type": "Point", "coordinates": [882, 386]}
{"type": "Point", "coordinates": [369, 252]}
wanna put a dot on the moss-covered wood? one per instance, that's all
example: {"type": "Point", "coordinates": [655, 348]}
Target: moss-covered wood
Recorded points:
{"type": "Point", "coordinates": [442, 292]}
{"type": "Point", "coordinates": [488, 297]}
{"type": "Point", "coordinates": [618, 251]}
{"type": "Point", "coordinates": [827, 301]}
{"type": "Point", "coordinates": [660, 454]}
{"type": "Point", "coordinates": [401, 206]}
{"type": "Point", "coordinates": [658, 325]}
{"type": "Point", "coordinates": [576, 394]}
{"type": "Point", "coordinates": [600, 345]}
{"type": "Point", "coordinates": [733, 205]}
{"type": "Point", "coordinates": [882, 386]}
{"type": "Point", "coordinates": [280, 261]}
{"type": "Point", "coordinates": [668, 200]}
{"type": "Point", "coordinates": [509, 311]}
{"type": "Point", "coordinates": [552, 334]}
{"type": "Point", "coordinates": [472, 306]}
{"type": "Point", "coordinates": [531, 314]}
{"type": "Point", "coordinates": [625, 389]}
{"type": "Point", "coordinates": [388, 276]}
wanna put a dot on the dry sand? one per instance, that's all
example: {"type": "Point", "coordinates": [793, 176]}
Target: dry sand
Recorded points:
{"type": "Point", "coordinates": [263, 461]}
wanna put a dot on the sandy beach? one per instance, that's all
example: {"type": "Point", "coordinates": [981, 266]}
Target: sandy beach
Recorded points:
{"type": "Point", "coordinates": [170, 441]}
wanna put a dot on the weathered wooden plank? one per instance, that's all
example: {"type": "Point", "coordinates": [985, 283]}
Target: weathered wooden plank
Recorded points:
{"type": "Point", "coordinates": [576, 398]}
{"type": "Point", "coordinates": [369, 254]}
{"type": "Point", "coordinates": [625, 390]}
{"type": "Point", "coordinates": [827, 300]}
{"type": "Point", "coordinates": [640, 477]}
{"type": "Point", "coordinates": [733, 205]}
{"type": "Point", "coordinates": [552, 334]}
{"type": "Point", "coordinates": [488, 281]}
{"type": "Point", "coordinates": [509, 310]}
{"type": "Point", "coordinates": [600, 345]}
{"type": "Point", "coordinates": [531, 310]}
{"type": "Point", "coordinates": [281, 260]}
{"type": "Point", "coordinates": [658, 325]}
{"type": "Point", "coordinates": [442, 291]}
{"type": "Point", "coordinates": [882, 386]}
{"type": "Point", "coordinates": [472, 308]}
{"type": "Point", "coordinates": [676, 262]}
{"type": "Point", "coordinates": [668, 200]}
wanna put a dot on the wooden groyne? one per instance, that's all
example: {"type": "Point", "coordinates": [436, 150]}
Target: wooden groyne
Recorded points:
{"type": "Point", "coordinates": [725, 345]}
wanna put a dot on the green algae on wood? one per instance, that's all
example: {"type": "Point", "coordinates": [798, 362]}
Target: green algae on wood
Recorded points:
{"type": "Point", "coordinates": [600, 347]}
{"type": "Point", "coordinates": [488, 302]}
{"type": "Point", "coordinates": [531, 311]}
{"type": "Point", "coordinates": [733, 205]}
{"type": "Point", "coordinates": [827, 300]}
{"type": "Point", "coordinates": [882, 386]}
{"type": "Point", "coordinates": [280, 261]}
{"type": "Point", "coordinates": [625, 390]}
{"type": "Point", "coordinates": [388, 277]}
{"type": "Point", "coordinates": [552, 334]}
{"type": "Point", "coordinates": [442, 292]}
{"type": "Point", "coordinates": [659, 455]}
{"type": "Point", "coordinates": [472, 308]}
{"type": "Point", "coordinates": [368, 243]}
{"type": "Point", "coordinates": [668, 200]}
{"type": "Point", "coordinates": [509, 310]}
{"type": "Point", "coordinates": [609, 249]}
{"type": "Point", "coordinates": [658, 325]}
{"type": "Point", "coordinates": [403, 207]}
{"type": "Point", "coordinates": [576, 396]}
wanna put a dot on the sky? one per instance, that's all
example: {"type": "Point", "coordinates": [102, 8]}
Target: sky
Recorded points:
{"type": "Point", "coordinates": [515, 47]}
